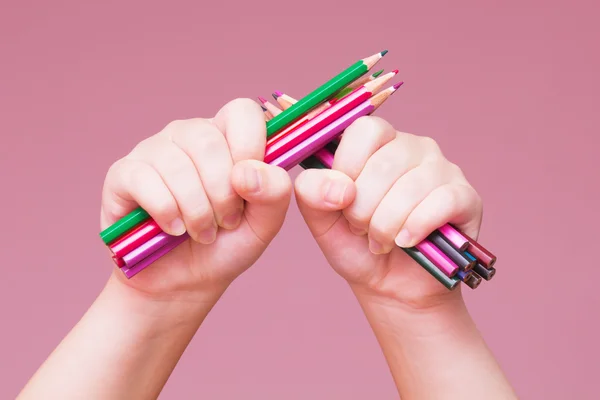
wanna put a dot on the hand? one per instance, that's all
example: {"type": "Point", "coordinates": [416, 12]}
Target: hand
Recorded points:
{"type": "Point", "coordinates": [202, 176]}
{"type": "Point", "coordinates": [386, 189]}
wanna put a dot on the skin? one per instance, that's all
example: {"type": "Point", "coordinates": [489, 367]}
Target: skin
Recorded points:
{"type": "Point", "coordinates": [204, 176]}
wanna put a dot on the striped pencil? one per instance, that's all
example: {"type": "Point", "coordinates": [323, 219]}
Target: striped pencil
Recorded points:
{"type": "Point", "coordinates": [323, 93]}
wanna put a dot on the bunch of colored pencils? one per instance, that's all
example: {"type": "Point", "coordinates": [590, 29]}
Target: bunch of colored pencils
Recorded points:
{"type": "Point", "coordinates": [307, 132]}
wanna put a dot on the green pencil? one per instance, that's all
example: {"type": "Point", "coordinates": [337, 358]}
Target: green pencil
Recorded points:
{"type": "Point", "coordinates": [124, 225]}
{"type": "Point", "coordinates": [322, 93]}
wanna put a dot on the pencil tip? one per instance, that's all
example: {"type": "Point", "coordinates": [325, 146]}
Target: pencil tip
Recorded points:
{"type": "Point", "coordinates": [376, 74]}
{"type": "Point", "coordinates": [262, 99]}
{"type": "Point", "coordinates": [397, 85]}
{"type": "Point", "coordinates": [263, 108]}
{"type": "Point", "coordinates": [395, 71]}
{"type": "Point", "coordinates": [277, 94]}
{"type": "Point", "coordinates": [383, 53]}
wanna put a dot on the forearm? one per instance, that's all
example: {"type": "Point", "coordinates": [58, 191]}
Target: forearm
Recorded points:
{"type": "Point", "coordinates": [435, 353]}
{"type": "Point", "coordinates": [125, 347]}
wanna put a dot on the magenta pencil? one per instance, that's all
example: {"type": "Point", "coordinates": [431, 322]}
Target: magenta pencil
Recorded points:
{"type": "Point", "coordinates": [147, 248]}
{"type": "Point", "coordinates": [454, 236]}
{"type": "Point", "coordinates": [438, 258]}
{"type": "Point", "coordinates": [325, 156]}
{"type": "Point", "coordinates": [173, 242]}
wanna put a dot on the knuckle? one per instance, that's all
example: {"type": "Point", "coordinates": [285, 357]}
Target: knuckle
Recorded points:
{"type": "Point", "coordinates": [368, 125]}
{"type": "Point", "coordinates": [200, 216]}
{"type": "Point", "coordinates": [449, 196]}
{"type": "Point", "coordinates": [383, 166]}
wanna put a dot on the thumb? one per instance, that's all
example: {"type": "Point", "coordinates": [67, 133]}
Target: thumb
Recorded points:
{"type": "Point", "coordinates": [321, 195]}
{"type": "Point", "coordinates": [267, 191]}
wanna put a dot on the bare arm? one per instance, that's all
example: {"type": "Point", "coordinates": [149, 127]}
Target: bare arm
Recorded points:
{"type": "Point", "coordinates": [436, 352]}
{"type": "Point", "coordinates": [125, 347]}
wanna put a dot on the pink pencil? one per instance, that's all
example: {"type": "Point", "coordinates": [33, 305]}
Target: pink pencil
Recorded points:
{"type": "Point", "coordinates": [435, 255]}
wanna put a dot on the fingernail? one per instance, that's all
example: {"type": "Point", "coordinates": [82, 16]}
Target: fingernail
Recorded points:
{"type": "Point", "coordinates": [356, 231]}
{"type": "Point", "coordinates": [177, 227]}
{"type": "Point", "coordinates": [375, 247]}
{"type": "Point", "coordinates": [335, 191]}
{"type": "Point", "coordinates": [404, 238]}
{"type": "Point", "coordinates": [252, 179]}
{"type": "Point", "coordinates": [208, 236]}
{"type": "Point", "coordinates": [231, 221]}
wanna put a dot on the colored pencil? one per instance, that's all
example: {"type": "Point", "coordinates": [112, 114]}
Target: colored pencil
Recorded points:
{"type": "Point", "coordinates": [176, 241]}
{"type": "Point", "coordinates": [324, 156]}
{"type": "Point", "coordinates": [318, 140]}
{"type": "Point", "coordinates": [280, 144]}
{"type": "Point", "coordinates": [135, 238]}
{"type": "Point", "coordinates": [147, 248]}
{"type": "Point", "coordinates": [322, 93]}
{"type": "Point", "coordinates": [364, 79]}
{"type": "Point", "coordinates": [458, 258]}
{"type": "Point", "coordinates": [267, 113]}
{"type": "Point", "coordinates": [474, 281]}
{"type": "Point", "coordinates": [124, 225]}
{"type": "Point", "coordinates": [454, 236]}
{"type": "Point", "coordinates": [485, 273]}
{"type": "Point", "coordinates": [481, 253]}
{"type": "Point", "coordinates": [464, 276]}
{"type": "Point", "coordinates": [284, 100]}
{"type": "Point", "coordinates": [449, 283]}
{"type": "Point", "coordinates": [359, 82]}
{"type": "Point", "coordinates": [273, 109]}
{"type": "Point", "coordinates": [442, 261]}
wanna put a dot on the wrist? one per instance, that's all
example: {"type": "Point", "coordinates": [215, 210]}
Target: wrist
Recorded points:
{"type": "Point", "coordinates": [423, 316]}
{"type": "Point", "coordinates": [158, 313]}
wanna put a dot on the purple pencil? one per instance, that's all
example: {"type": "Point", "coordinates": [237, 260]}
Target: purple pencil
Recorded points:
{"type": "Point", "coordinates": [317, 141]}
{"type": "Point", "coordinates": [171, 243]}
{"type": "Point", "coordinates": [138, 254]}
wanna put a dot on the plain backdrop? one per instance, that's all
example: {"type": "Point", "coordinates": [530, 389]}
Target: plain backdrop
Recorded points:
{"type": "Point", "coordinates": [509, 89]}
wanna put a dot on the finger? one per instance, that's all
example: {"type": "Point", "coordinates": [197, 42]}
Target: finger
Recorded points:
{"type": "Point", "coordinates": [267, 191]}
{"type": "Point", "coordinates": [378, 176]}
{"type": "Point", "coordinates": [457, 203]}
{"type": "Point", "coordinates": [243, 123]}
{"type": "Point", "coordinates": [206, 146]}
{"type": "Point", "coordinates": [130, 183]}
{"type": "Point", "coordinates": [181, 177]}
{"type": "Point", "coordinates": [395, 207]}
{"type": "Point", "coordinates": [321, 194]}
{"type": "Point", "coordinates": [360, 140]}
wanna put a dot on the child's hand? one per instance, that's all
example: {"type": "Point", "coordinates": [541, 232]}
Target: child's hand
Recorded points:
{"type": "Point", "coordinates": [392, 189]}
{"type": "Point", "coordinates": [194, 176]}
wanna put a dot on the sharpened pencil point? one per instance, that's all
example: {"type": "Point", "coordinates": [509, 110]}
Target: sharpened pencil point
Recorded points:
{"type": "Point", "coordinates": [277, 94]}
{"type": "Point", "coordinates": [263, 108]}
{"type": "Point", "coordinates": [262, 99]}
{"type": "Point", "coordinates": [395, 71]}
{"type": "Point", "coordinates": [383, 53]}
{"type": "Point", "coordinates": [376, 74]}
{"type": "Point", "coordinates": [397, 85]}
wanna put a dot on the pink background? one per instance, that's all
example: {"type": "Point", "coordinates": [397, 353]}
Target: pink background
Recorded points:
{"type": "Point", "coordinates": [509, 89]}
